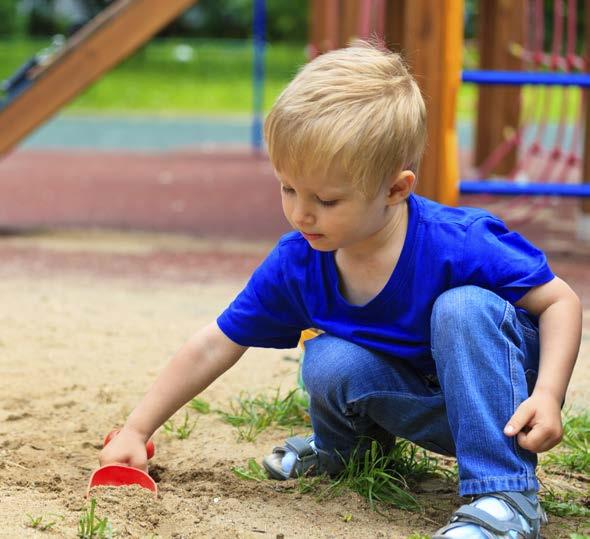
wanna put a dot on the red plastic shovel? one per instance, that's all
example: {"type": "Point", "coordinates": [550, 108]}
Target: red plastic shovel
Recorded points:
{"type": "Point", "coordinates": [117, 475]}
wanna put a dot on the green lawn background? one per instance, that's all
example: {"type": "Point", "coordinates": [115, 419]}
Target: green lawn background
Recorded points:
{"type": "Point", "coordinates": [217, 80]}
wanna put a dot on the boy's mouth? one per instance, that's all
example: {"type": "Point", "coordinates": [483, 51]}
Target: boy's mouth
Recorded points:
{"type": "Point", "coordinates": [311, 237]}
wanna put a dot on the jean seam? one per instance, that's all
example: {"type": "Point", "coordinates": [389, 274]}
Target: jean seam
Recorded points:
{"type": "Point", "coordinates": [494, 478]}
{"type": "Point", "coordinates": [468, 484]}
{"type": "Point", "coordinates": [513, 367]}
{"type": "Point", "coordinates": [508, 483]}
{"type": "Point", "coordinates": [529, 331]}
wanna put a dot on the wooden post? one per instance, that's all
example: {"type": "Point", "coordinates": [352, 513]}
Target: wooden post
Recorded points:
{"type": "Point", "coordinates": [325, 26]}
{"type": "Point", "coordinates": [432, 42]}
{"type": "Point", "coordinates": [498, 107]}
{"type": "Point", "coordinates": [584, 217]}
{"type": "Point", "coordinates": [430, 36]}
{"type": "Point", "coordinates": [97, 47]}
{"type": "Point", "coordinates": [349, 21]}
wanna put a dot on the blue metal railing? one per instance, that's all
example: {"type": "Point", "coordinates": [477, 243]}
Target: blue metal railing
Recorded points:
{"type": "Point", "coordinates": [503, 187]}
{"type": "Point", "coordinates": [521, 78]}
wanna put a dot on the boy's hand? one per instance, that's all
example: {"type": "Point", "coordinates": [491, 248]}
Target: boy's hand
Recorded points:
{"type": "Point", "coordinates": [536, 423]}
{"type": "Point", "coordinates": [128, 448]}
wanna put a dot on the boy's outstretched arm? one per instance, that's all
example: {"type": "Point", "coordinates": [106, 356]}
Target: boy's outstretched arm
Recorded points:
{"type": "Point", "coordinates": [203, 358]}
{"type": "Point", "coordinates": [537, 421]}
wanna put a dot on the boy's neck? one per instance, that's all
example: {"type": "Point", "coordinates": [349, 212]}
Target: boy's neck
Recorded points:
{"type": "Point", "coordinates": [363, 272]}
{"type": "Point", "coordinates": [389, 237]}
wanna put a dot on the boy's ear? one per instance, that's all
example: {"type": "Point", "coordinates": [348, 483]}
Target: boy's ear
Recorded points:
{"type": "Point", "coordinates": [400, 186]}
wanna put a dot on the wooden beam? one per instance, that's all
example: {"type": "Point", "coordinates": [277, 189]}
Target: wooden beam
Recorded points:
{"type": "Point", "coordinates": [97, 47]}
{"type": "Point", "coordinates": [498, 107]}
{"type": "Point", "coordinates": [432, 43]}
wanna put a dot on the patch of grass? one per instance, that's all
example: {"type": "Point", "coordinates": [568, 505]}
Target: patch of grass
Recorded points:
{"type": "Point", "coordinates": [310, 484]}
{"type": "Point", "coordinates": [565, 504]}
{"type": "Point", "coordinates": [416, 464]}
{"type": "Point", "coordinates": [90, 526]}
{"type": "Point", "coordinates": [579, 536]}
{"type": "Point", "coordinates": [385, 478]}
{"type": "Point", "coordinates": [574, 453]}
{"type": "Point", "coordinates": [418, 536]}
{"type": "Point", "coordinates": [253, 471]}
{"type": "Point", "coordinates": [182, 431]}
{"type": "Point", "coordinates": [252, 415]}
{"type": "Point", "coordinates": [200, 406]}
{"type": "Point", "coordinates": [39, 523]}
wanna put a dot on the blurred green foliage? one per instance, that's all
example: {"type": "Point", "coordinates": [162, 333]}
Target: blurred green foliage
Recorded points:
{"type": "Point", "coordinates": [174, 76]}
{"type": "Point", "coordinates": [8, 18]}
{"type": "Point", "coordinates": [286, 21]}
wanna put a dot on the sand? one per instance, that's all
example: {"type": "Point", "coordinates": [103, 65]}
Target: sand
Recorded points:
{"type": "Point", "coordinates": [87, 321]}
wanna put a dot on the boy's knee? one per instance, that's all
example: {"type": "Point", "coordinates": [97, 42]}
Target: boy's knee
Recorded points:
{"type": "Point", "coordinates": [329, 361]}
{"type": "Point", "coordinates": [460, 307]}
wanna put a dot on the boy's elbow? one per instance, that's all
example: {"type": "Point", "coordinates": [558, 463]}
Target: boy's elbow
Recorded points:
{"type": "Point", "coordinates": [577, 303]}
{"type": "Point", "coordinates": [571, 301]}
{"type": "Point", "coordinates": [571, 297]}
{"type": "Point", "coordinates": [545, 297]}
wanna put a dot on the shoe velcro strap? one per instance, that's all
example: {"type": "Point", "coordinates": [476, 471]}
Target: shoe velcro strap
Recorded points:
{"type": "Point", "coordinates": [300, 446]}
{"type": "Point", "coordinates": [473, 515]}
{"type": "Point", "coordinates": [520, 503]}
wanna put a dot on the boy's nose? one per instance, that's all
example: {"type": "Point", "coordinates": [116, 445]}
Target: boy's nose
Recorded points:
{"type": "Point", "coordinates": [302, 215]}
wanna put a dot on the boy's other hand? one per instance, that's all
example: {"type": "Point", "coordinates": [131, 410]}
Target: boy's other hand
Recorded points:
{"type": "Point", "coordinates": [127, 448]}
{"type": "Point", "coordinates": [537, 423]}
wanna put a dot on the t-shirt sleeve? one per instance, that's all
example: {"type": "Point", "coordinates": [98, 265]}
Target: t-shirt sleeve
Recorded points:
{"type": "Point", "coordinates": [264, 314]}
{"type": "Point", "coordinates": [502, 261]}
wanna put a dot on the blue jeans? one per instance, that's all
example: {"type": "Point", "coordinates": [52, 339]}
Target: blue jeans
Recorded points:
{"type": "Point", "coordinates": [486, 354]}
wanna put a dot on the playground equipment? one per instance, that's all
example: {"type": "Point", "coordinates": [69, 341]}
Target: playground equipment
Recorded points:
{"type": "Point", "coordinates": [430, 35]}
{"type": "Point", "coordinates": [512, 55]}
{"type": "Point", "coordinates": [91, 52]}
{"type": "Point", "coordinates": [106, 40]}
{"type": "Point", "coordinates": [259, 34]}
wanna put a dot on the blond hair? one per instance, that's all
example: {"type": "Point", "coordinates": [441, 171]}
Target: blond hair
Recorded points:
{"type": "Point", "coordinates": [355, 110]}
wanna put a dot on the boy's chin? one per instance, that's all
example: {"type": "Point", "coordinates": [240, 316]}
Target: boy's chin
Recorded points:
{"type": "Point", "coordinates": [324, 248]}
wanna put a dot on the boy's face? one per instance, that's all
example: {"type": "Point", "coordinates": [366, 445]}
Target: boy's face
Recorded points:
{"type": "Point", "coordinates": [331, 212]}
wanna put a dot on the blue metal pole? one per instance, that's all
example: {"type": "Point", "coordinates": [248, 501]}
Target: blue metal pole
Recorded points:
{"type": "Point", "coordinates": [520, 78]}
{"type": "Point", "coordinates": [511, 188]}
{"type": "Point", "coordinates": [259, 35]}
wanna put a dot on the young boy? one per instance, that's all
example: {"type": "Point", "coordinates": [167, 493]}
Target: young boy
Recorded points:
{"type": "Point", "coordinates": [439, 325]}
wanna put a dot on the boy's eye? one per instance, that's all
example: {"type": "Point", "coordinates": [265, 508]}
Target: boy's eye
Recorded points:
{"type": "Point", "coordinates": [327, 203]}
{"type": "Point", "coordinates": [287, 190]}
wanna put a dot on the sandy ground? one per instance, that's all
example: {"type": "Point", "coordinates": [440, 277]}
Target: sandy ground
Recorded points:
{"type": "Point", "coordinates": [87, 321]}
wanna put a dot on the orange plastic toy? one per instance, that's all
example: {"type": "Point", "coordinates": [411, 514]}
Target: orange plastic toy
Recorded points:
{"type": "Point", "coordinates": [117, 475]}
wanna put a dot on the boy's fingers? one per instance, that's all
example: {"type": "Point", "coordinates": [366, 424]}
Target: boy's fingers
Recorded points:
{"type": "Point", "coordinates": [519, 419]}
{"type": "Point", "coordinates": [539, 438]}
{"type": "Point", "coordinates": [139, 463]}
{"type": "Point", "coordinates": [532, 441]}
{"type": "Point", "coordinates": [523, 440]}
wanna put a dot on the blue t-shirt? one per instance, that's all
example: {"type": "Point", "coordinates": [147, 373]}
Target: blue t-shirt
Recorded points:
{"type": "Point", "coordinates": [297, 287]}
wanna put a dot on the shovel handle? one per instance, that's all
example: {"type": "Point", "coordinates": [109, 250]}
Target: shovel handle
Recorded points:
{"type": "Point", "coordinates": [149, 446]}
